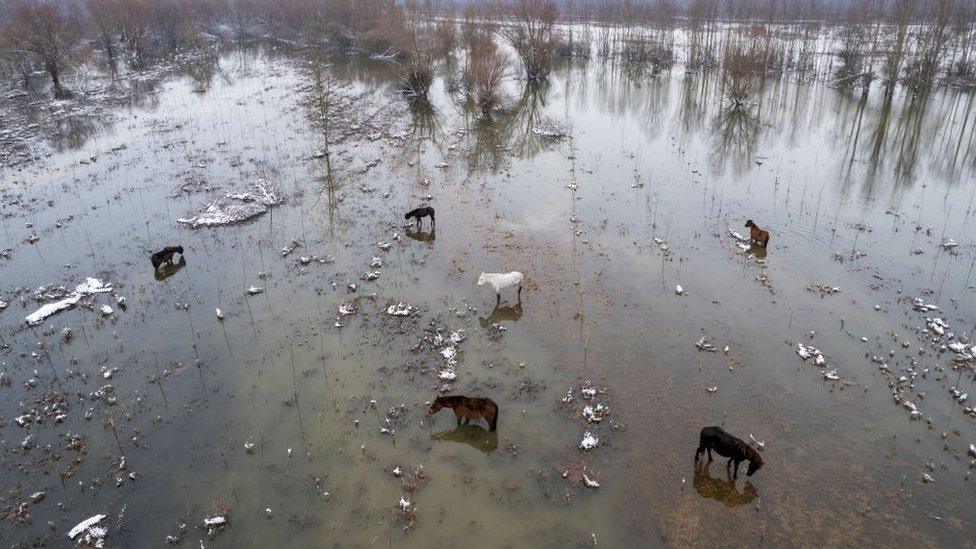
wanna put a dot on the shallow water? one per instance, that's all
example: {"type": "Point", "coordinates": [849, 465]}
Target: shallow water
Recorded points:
{"type": "Point", "coordinates": [825, 172]}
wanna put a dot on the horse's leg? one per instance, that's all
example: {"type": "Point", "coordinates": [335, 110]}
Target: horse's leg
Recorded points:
{"type": "Point", "coordinates": [736, 474]}
{"type": "Point", "coordinates": [520, 293]}
{"type": "Point", "coordinates": [498, 298]}
{"type": "Point", "coordinates": [698, 453]}
{"type": "Point", "coordinates": [710, 455]}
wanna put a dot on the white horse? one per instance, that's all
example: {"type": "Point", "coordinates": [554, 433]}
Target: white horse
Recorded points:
{"type": "Point", "coordinates": [500, 281]}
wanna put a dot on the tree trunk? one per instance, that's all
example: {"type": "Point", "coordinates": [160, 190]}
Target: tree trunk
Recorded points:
{"type": "Point", "coordinates": [52, 69]}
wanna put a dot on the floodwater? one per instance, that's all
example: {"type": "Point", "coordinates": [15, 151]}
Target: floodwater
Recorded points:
{"type": "Point", "coordinates": [274, 417]}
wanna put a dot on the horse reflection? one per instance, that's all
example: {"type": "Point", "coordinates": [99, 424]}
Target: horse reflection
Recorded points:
{"type": "Point", "coordinates": [475, 436]}
{"type": "Point", "coordinates": [422, 236]}
{"type": "Point", "coordinates": [512, 313]}
{"type": "Point", "coordinates": [170, 269]}
{"type": "Point", "coordinates": [722, 490]}
{"type": "Point", "coordinates": [758, 251]}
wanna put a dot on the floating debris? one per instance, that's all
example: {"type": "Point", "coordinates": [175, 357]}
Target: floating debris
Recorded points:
{"type": "Point", "coordinates": [590, 483]}
{"type": "Point", "coordinates": [703, 345]}
{"type": "Point", "coordinates": [289, 248]}
{"type": "Point", "coordinates": [595, 414]}
{"type": "Point", "coordinates": [89, 287]}
{"type": "Point", "coordinates": [589, 441]}
{"type": "Point", "coordinates": [922, 306]}
{"type": "Point", "coordinates": [255, 290]}
{"type": "Point", "coordinates": [737, 236]}
{"type": "Point", "coordinates": [347, 309]}
{"type": "Point", "coordinates": [400, 309]}
{"type": "Point", "coordinates": [235, 207]}
{"type": "Point", "coordinates": [550, 129]}
{"type": "Point", "coordinates": [679, 290]}
{"type": "Point", "coordinates": [823, 289]}
{"type": "Point", "coordinates": [806, 352]}
{"type": "Point", "coordinates": [94, 535]}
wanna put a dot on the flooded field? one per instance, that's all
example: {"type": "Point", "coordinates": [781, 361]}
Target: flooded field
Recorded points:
{"type": "Point", "coordinates": [271, 387]}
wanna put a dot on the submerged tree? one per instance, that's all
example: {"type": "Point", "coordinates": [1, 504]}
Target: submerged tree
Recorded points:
{"type": "Point", "coordinates": [529, 31]}
{"type": "Point", "coordinates": [44, 31]}
{"type": "Point", "coordinates": [483, 75]}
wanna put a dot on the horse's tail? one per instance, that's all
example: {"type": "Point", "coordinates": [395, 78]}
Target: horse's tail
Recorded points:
{"type": "Point", "coordinates": [494, 420]}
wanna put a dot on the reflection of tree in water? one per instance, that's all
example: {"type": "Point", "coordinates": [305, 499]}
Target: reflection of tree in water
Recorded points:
{"type": "Point", "coordinates": [202, 69]}
{"type": "Point", "coordinates": [647, 100]}
{"type": "Point", "coordinates": [894, 135]}
{"type": "Point", "coordinates": [722, 490]}
{"type": "Point", "coordinates": [72, 132]}
{"type": "Point", "coordinates": [736, 133]}
{"type": "Point", "coordinates": [507, 131]}
{"type": "Point", "coordinates": [320, 105]}
{"type": "Point", "coordinates": [141, 94]}
{"type": "Point", "coordinates": [424, 121]}
{"type": "Point", "coordinates": [693, 109]}
{"type": "Point", "coordinates": [425, 127]}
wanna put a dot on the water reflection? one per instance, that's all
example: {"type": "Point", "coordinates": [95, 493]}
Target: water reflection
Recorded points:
{"type": "Point", "coordinates": [508, 131]}
{"type": "Point", "coordinates": [512, 313]}
{"type": "Point", "coordinates": [424, 120]}
{"type": "Point", "coordinates": [421, 236]}
{"type": "Point", "coordinates": [722, 490]}
{"type": "Point", "coordinates": [736, 133]}
{"type": "Point", "coordinates": [475, 436]}
{"type": "Point", "coordinates": [170, 269]}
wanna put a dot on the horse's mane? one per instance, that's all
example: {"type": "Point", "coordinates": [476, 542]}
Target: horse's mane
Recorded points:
{"type": "Point", "coordinates": [751, 453]}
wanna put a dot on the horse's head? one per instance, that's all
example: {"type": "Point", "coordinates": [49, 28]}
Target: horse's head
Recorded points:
{"type": "Point", "coordinates": [749, 223]}
{"type": "Point", "coordinates": [483, 279]}
{"type": "Point", "coordinates": [435, 406]}
{"type": "Point", "coordinates": [755, 463]}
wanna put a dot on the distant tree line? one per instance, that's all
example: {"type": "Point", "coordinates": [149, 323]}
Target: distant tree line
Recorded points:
{"type": "Point", "coordinates": [909, 41]}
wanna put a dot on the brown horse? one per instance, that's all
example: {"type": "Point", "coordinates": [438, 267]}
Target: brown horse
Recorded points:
{"type": "Point", "coordinates": [757, 235]}
{"type": "Point", "coordinates": [468, 408]}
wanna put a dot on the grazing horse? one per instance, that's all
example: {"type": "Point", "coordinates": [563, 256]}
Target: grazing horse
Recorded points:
{"type": "Point", "coordinates": [420, 213]}
{"type": "Point", "coordinates": [165, 256]}
{"type": "Point", "coordinates": [726, 445]}
{"type": "Point", "coordinates": [468, 408]}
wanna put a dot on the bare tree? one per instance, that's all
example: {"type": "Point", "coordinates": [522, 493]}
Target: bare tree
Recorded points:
{"type": "Point", "coordinates": [44, 31]}
{"type": "Point", "coordinates": [901, 16]}
{"type": "Point", "coordinates": [104, 17]}
{"type": "Point", "coordinates": [484, 71]}
{"type": "Point", "coordinates": [529, 31]}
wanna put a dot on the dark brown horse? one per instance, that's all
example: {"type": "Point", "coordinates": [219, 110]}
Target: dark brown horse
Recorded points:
{"type": "Point", "coordinates": [726, 445]}
{"type": "Point", "coordinates": [165, 256]}
{"type": "Point", "coordinates": [468, 408]}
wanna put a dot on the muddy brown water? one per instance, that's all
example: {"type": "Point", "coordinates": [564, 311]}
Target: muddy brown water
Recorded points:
{"type": "Point", "coordinates": [656, 158]}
